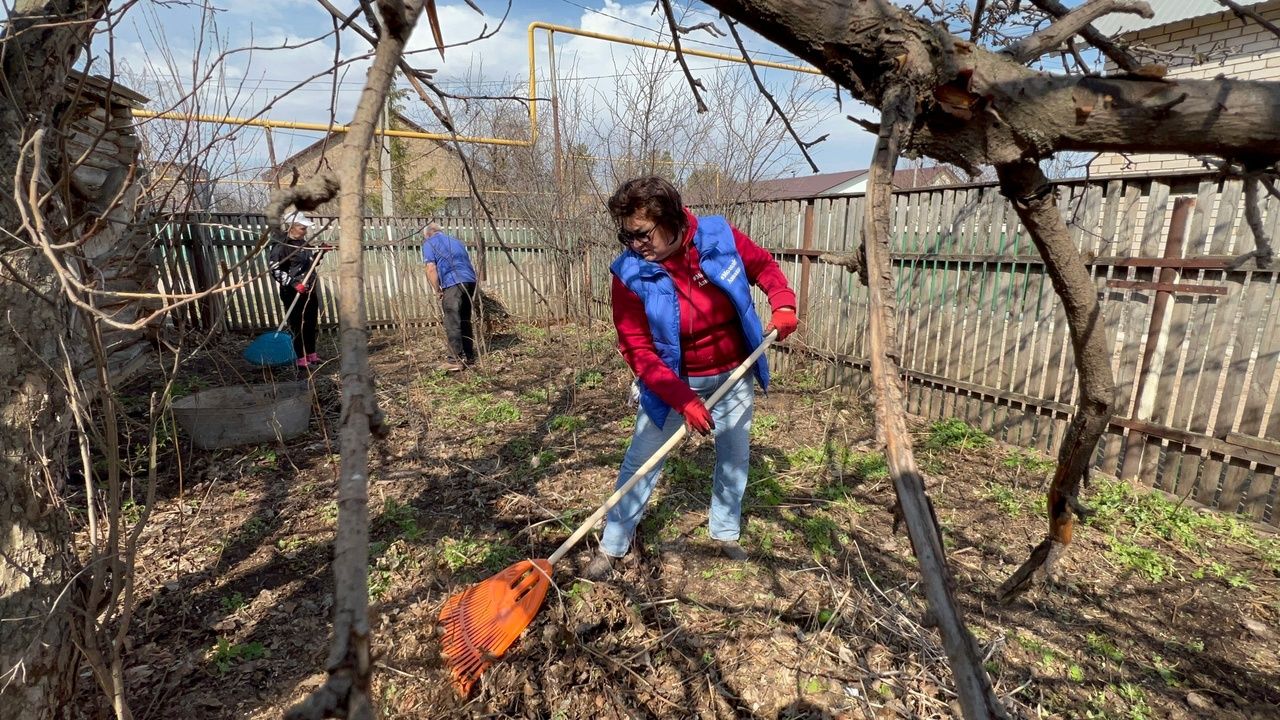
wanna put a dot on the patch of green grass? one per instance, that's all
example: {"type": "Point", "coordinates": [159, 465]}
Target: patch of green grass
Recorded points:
{"type": "Point", "coordinates": [765, 492]}
{"type": "Point", "coordinates": [819, 533]}
{"type": "Point", "coordinates": [544, 459]}
{"type": "Point", "coordinates": [233, 602]}
{"type": "Point", "coordinates": [484, 409]}
{"type": "Point", "coordinates": [1152, 565]}
{"type": "Point", "coordinates": [1167, 671]}
{"type": "Point", "coordinates": [814, 686]}
{"type": "Point", "coordinates": [1075, 673]}
{"type": "Point", "coordinates": [464, 552]}
{"type": "Point", "coordinates": [590, 378]}
{"type": "Point", "coordinates": [763, 424]}
{"type": "Point", "coordinates": [955, 434]}
{"type": "Point", "coordinates": [402, 517]}
{"type": "Point", "coordinates": [329, 511]}
{"type": "Point", "coordinates": [567, 423]}
{"type": "Point", "coordinates": [577, 592]}
{"type": "Point", "coordinates": [1005, 498]}
{"type": "Point", "coordinates": [1038, 648]}
{"type": "Point", "coordinates": [686, 474]}
{"type": "Point", "coordinates": [389, 559]}
{"type": "Point", "coordinates": [1103, 648]}
{"type": "Point", "coordinates": [806, 458]}
{"type": "Point", "coordinates": [252, 528]}
{"type": "Point", "coordinates": [804, 380]}
{"type": "Point", "coordinates": [291, 544]}
{"type": "Point", "coordinates": [1136, 701]}
{"type": "Point", "coordinates": [225, 653]}
{"type": "Point", "coordinates": [536, 396]}
{"type": "Point", "coordinates": [867, 465]}
{"type": "Point", "coordinates": [531, 331]}
{"type": "Point", "coordinates": [599, 344]}
{"type": "Point", "coordinates": [1028, 461]}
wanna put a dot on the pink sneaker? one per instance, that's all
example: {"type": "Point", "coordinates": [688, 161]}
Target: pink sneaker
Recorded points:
{"type": "Point", "coordinates": [313, 358]}
{"type": "Point", "coordinates": [302, 362]}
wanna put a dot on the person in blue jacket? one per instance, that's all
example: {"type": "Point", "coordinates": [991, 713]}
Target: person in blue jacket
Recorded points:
{"type": "Point", "coordinates": [685, 319]}
{"type": "Point", "coordinates": [451, 276]}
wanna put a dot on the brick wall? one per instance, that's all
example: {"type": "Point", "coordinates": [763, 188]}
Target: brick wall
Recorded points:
{"type": "Point", "coordinates": [1227, 46]}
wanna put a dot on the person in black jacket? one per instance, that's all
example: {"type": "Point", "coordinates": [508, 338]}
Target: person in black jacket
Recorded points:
{"type": "Point", "coordinates": [292, 261]}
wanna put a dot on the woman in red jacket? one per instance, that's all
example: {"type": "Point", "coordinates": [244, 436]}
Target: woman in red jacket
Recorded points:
{"type": "Point", "coordinates": [685, 318]}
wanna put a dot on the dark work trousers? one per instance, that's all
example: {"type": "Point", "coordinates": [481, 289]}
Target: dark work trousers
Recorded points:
{"type": "Point", "coordinates": [302, 318]}
{"type": "Point", "coordinates": [456, 302]}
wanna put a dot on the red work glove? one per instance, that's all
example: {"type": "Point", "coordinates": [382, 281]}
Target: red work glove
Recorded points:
{"type": "Point", "coordinates": [696, 415]}
{"type": "Point", "coordinates": [784, 320]}
{"type": "Point", "coordinates": [300, 287]}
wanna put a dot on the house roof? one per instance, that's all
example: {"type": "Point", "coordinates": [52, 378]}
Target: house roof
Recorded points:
{"type": "Point", "coordinates": [328, 139]}
{"type": "Point", "coordinates": [802, 186]}
{"type": "Point", "coordinates": [1166, 12]}
{"type": "Point", "coordinates": [97, 85]}
{"type": "Point", "coordinates": [813, 185]}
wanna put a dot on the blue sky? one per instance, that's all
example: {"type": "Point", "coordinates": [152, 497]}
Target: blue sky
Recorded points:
{"type": "Point", "coordinates": [162, 51]}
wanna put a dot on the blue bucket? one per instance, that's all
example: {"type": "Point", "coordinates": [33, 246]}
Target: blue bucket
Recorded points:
{"type": "Point", "coordinates": [273, 348]}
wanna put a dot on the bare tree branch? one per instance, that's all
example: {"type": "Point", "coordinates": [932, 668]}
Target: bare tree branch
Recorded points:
{"type": "Point", "coordinates": [871, 127]}
{"type": "Point", "coordinates": [976, 27]}
{"type": "Point", "coordinates": [1115, 53]}
{"type": "Point", "coordinates": [1037, 44]}
{"type": "Point", "coordinates": [804, 147]}
{"type": "Point", "coordinates": [1036, 204]}
{"type": "Point", "coordinates": [1245, 13]}
{"type": "Point", "coordinates": [1262, 252]}
{"type": "Point", "coordinates": [709, 26]}
{"type": "Point", "coordinates": [694, 83]}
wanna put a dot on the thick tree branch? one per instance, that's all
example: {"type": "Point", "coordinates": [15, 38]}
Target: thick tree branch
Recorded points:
{"type": "Point", "coordinates": [804, 147]}
{"type": "Point", "coordinates": [1262, 252]}
{"type": "Point", "coordinates": [1114, 53]}
{"type": "Point", "coordinates": [972, 684]}
{"type": "Point", "coordinates": [1036, 204]}
{"type": "Point", "coordinates": [1067, 26]}
{"type": "Point", "coordinates": [982, 108]}
{"type": "Point", "coordinates": [694, 83]}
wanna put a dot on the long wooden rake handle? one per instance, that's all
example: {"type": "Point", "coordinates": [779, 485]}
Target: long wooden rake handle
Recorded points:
{"type": "Point", "coordinates": [661, 453]}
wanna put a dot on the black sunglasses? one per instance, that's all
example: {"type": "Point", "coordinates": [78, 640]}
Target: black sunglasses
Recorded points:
{"type": "Point", "coordinates": [631, 237]}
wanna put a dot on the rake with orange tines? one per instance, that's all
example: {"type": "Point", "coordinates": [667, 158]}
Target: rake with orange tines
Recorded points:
{"type": "Point", "coordinates": [481, 622]}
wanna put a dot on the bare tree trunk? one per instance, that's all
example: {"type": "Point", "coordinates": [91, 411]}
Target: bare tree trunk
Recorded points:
{"type": "Point", "coordinates": [1036, 204]}
{"type": "Point", "coordinates": [972, 684]}
{"type": "Point", "coordinates": [37, 662]}
{"type": "Point", "coordinates": [350, 664]}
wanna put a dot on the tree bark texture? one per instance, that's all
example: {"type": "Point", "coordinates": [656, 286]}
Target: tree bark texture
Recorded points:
{"type": "Point", "coordinates": [972, 683]}
{"type": "Point", "coordinates": [37, 661]}
{"type": "Point", "coordinates": [350, 664]}
{"type": "Point", "coordinates": [1036, 204]}
{"type": "Point", "coordinates": [980, 107]}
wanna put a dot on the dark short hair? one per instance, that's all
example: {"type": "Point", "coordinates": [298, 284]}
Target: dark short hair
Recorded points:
{"type": "Point", "coordinates": [658, 198]}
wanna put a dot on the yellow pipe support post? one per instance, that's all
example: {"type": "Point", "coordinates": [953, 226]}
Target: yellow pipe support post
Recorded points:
{"type": "Point", "coordinates": [552, 28]}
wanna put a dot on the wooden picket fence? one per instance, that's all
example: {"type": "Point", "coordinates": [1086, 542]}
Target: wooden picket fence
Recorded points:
{"type": "Point", "coordinates": [984, 338]}
{"type": "Point", "coordinates": [199, 252]}
{"type": "Point", "coordinates": [1195, 342]}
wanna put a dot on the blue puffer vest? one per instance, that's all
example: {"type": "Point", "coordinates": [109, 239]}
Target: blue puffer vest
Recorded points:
{"type": "Point", "coordinates": [718, 257]}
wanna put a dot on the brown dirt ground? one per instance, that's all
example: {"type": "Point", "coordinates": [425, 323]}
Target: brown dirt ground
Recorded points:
{"type": "Point", "coordinates": [1162, 614]}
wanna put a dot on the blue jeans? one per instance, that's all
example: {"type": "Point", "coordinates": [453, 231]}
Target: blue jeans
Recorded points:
{"type": "Point", "coordinates": [732, 417]}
